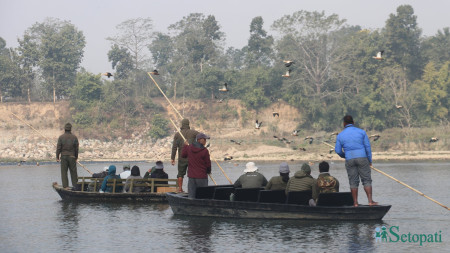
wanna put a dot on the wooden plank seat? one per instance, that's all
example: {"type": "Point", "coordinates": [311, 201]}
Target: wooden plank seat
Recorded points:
{"type": "Point", "coordinates": [335, 199]}
{"type": "Point", "coordinates": [299, 197]}
{"type": "Point", "coordinates": [223, 193]}
{"type": "Point", "coordinates": [150, 182]}
{"type": "Point", "coordinates": [270, 196]}
{"type": "Point", "coordinates": [247, 194]}
{"type": "Point", "coordinates": [207, 192]}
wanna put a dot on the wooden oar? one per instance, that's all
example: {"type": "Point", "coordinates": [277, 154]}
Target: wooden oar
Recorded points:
{"type": "Point", "coordinates": [400, 182]}
{"type": "Point", "coordinates": [162, 92]}
{"type": "Point", "coordinates": [45, 138]}
{"type": "Point", "coordinates": [210, 176]}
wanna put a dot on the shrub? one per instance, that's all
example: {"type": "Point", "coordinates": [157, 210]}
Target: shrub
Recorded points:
{"type": "Point", "coordinates": [160, 127]}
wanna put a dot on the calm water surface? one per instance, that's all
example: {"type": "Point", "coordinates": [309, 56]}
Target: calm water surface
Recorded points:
{"type": "Point", "coordinates": [34, 218]}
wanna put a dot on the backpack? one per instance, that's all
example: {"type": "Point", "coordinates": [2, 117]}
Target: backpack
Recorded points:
{"type": "Point", "coordinates": [326, 184]}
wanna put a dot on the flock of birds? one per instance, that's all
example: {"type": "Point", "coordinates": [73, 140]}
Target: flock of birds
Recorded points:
{"type": "Point", "coordinates": [258, 124]}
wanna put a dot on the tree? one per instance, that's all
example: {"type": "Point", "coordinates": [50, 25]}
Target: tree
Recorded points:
{"type": "Point", "coordinates": [160, 127]}
{"type": "Point", "coordinates": [121, 60]}
{"type": "Point", "coordinates": [436, 48]}
{"type": "Point", "coordinates": [135, 35]}
{"type": "Point", "coordinates": [403, 41]}
{"type": "Point", "coordinates": [56, 48]}
{"type": "Point", "coordinates": [306, 39]}
{"type": "Point", "coordinates": [162, 50]}
{"type": "Point", "coordinates": [196, 39]}
{"type": "Point", "coordinates": [259, 50]}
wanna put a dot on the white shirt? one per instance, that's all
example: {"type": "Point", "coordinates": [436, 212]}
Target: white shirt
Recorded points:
{"type": "Point", "coordinates": [125, 174]}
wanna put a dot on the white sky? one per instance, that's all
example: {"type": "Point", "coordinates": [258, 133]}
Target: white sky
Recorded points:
{"type": "Point", "coordinates": [98, 18]}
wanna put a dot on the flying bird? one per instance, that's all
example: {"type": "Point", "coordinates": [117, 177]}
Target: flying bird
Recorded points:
{"type": "Point", "coordinates": [227, 158]}
{"type": "Point", "coordinates": [331, 150]}
{"type": "Point", "coordinates": [276, 114]}
{"type": "Point", "coordinates": [108, 74]}
{"type": "Point", "coordinates": [375, 137]}
{"type": "Point", "coordinates": [295, 132]}
{"type": "Point", "coordinates": [236, 142]}
{"type": "Point", "coordinates": [258, 124]}
{"type": "Point", "coordinates": [224, 88]}
{"type": "Point", "coordinates": [288, 63]}
{"type": "Point", "coordinates": [288, 72]}
{"type": "Point", "coordinates": [434, 139]}
{"type": "Point", "coordinates": [310, 138]}
{"type": "Point", "coordinates": [154, 72]}
{"type": "Point", "coordinates": [398, 106]}
{"type": "Point", "coordinates": [379, 55]}
{"type": "Point", "coordinates": [302, 149]}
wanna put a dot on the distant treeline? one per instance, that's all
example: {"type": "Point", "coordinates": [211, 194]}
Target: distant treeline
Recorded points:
{"type": "Point", "coordinates": [334, 72]}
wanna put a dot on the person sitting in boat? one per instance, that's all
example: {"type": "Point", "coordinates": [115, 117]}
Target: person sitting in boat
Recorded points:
{"type": "Point", "coordinates": [159, 173]}
{"type": "Point", "coordinates": [251, 178]}
{"type": "Point", "coordinates": [135, 174]}
{"type": "Point", "coordinates": [279, 182]}
{"type": "Point", "coordinates": [111, 175]}
{"type": "Point", "coordinates": [126, 172]}
{"type": "Point", "coordinates": [102, 175]}
{"type": "Point", "coordinates": [303, 181]}
{"type": "Point", "coordinates": [325, 182]}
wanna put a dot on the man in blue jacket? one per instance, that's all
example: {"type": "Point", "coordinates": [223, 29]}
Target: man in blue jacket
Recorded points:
{"type": "Point", "coordinates": [353, 145]}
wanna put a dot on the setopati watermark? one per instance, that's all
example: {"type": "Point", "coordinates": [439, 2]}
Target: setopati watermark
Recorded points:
{"type": "Point", "coordinates": [394, 235]}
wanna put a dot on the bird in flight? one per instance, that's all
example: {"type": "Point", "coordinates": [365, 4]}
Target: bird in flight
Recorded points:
{"type": "Point", "coordinates": [310, 138]}
{"type": "Point", "coordinates": [108, 74]}
{"type": "Point", "coordinates": [398, 106]}
{"type": "Point", "coordinates": [295, 132]}
{"type": "Point", "coordinates": [276, 114]}
{"type": "Point", "coordinates": [154, 72]}
{"type": "Point", "coordinates": [288, 72]}
{"type": "Point", "coordinates": [331, 150]}
{"type": "Point", "coordinates": [375, 137]}
{"type": "Point", "coordinates": [227, 158]}
{"type": "Point", "coordinates": [224, 88]}
{"type": "Point", "coordinates": [302, 149]}
{"type": "Point", "coordinates": [288, 63]}
{"type": "Point", "coordinates": [379, 55]}
{"type": "Point", "coordinates": [434, 139]}
{"type": "Point", "coordinates": [258, 124]}
{"type": "Point", "coordinates": [236, 142]}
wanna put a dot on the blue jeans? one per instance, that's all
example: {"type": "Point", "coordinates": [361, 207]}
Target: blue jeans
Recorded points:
{"type": "Point", "coordinates": [358, 168]}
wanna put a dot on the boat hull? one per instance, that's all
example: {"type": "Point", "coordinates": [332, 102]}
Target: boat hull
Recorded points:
{"type": "Point", "coordinates": [66, 194]}
{"type": "Point", "coordinates": [253, 210]}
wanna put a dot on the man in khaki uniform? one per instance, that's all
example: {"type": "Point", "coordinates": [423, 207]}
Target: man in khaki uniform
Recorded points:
{"type": "Point", "coordinates": [178, 144]}
{"type": "Point", "coordinates": [67, 148]}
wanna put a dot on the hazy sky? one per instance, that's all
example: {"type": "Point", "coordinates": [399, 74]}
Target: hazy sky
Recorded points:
{"type": "Point", "coordinates": [98, 18]}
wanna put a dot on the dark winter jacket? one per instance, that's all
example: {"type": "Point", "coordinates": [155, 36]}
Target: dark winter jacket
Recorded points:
{"type": "Point", "coordinates": [302, 182]}
{"type": "Point", "coordinates": [111, 175]}
{"type": "Point", "coordinates": [67, 145]}
{"type": "Point", "coordinates": [178, 141]}
{"type": "Point", "coordinates": [159, 173]}
{"type": "Point", "coordinates": [251, 180]}
{"type": "Point", "coordinates": [276, 183]}
{"type": "Point", "coordinates": [199, 163]}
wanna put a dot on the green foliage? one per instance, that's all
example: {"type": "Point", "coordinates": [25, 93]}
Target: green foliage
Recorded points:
{"type": "Point", "coordinates": [159, 127]}
{"type": "Point", "coordinates": [87, 88]}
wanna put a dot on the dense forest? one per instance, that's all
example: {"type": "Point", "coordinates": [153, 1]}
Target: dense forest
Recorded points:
{"type": "Point", "coordinates": [335, 70]}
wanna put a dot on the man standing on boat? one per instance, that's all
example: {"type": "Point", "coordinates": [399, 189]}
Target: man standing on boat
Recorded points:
{"type": "Point", "coordinates": [199, 163]}
{"type": "Point", "coordinates": [353, 145]}
{"type": "Point", "coordinates": [178, 144]}
{"type": "Point", "coordinates": [67, 147]}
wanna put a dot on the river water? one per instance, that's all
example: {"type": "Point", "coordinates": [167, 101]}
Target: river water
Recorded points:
{"type": "Point", "coordinates": [34, 219]}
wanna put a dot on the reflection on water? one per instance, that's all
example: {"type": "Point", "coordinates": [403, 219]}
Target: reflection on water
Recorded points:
{"type": "Point", "coordinates": [33, 217]}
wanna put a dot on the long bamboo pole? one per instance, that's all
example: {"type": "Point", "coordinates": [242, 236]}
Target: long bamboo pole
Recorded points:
{"type": "Point", "coordinates": [175, 125]}
{"type": "Point", "coordinates": [162, 92]}
{"type": "Point", "coordinates": [400, 182]}
{"type": "Point", "coordinates": [45, 138]}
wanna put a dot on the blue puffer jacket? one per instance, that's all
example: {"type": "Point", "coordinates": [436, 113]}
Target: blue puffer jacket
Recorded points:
{"type": "Point", "coordinates": [352, 143]}
{"type": "Point", "coordinates": [111, 175]}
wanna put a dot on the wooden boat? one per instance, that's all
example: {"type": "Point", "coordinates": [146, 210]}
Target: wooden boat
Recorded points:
{"type": "Point", "coordinates": [260, 204]}
{"type": "Point", "coordinates": [83, 195]}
